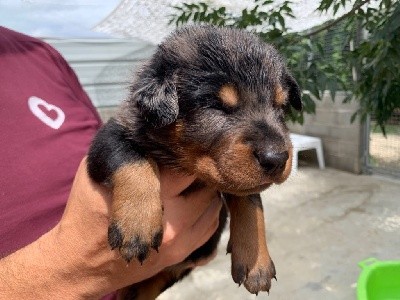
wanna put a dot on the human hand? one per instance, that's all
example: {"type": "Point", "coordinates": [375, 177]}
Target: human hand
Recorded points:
{"type": "Point", "coordinates": [74, 260]}
{"type": "Point", "coordinates": [82, 233]}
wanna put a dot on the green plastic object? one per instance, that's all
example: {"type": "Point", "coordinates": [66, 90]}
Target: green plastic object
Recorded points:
{"type": "Point", "coordinates": [379, 280]}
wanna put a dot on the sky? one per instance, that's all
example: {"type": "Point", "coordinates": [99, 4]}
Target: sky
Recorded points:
{"type": "Point", "coordinates": [55, 18]}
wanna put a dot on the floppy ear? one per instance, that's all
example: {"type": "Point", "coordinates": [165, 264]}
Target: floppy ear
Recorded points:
{"type": "Point", "coordinates": [155, 97]}
{"type": "Point", "coordinates": [294, 92]}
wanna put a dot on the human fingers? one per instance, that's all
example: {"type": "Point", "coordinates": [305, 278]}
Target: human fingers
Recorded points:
{"type": "Point", "coordinates": [172, 182]}
{"type": "Point", "coordinates": [193, 237]}
{"type": "Point", "coordinates": [86, 197]}
{"type": "Point", "coordinates": [181, 213]}
{"type": "Point", "coordinates": [207, 223]}
{"type": "Point", "coordinates": [193, 205]}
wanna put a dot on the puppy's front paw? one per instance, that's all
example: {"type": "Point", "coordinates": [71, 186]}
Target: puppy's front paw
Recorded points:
{"type": "Point", "coordinates": [136, 218]}
{"type": "Point", "coordinates": [134, 244]}
{"type": "Point", "coordinates": [255, 278]}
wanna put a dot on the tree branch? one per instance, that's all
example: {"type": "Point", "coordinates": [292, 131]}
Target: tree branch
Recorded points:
{"type": "Point", "coordinates": [333, 23]}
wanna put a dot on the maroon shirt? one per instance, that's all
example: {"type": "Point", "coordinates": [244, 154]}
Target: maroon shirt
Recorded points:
{"type": "Point", "coordinates": [46, 124]}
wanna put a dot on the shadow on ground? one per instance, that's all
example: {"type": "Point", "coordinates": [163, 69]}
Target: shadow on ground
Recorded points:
{"type": "Point", "coordinates": [320, 224]}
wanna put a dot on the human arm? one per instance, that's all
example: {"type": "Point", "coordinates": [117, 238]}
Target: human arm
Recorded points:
{"type": "Point", "coordinates": [74, 260]}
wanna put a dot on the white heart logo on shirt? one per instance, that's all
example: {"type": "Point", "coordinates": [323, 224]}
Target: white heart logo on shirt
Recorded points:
{"type": "Point", "coordinates": [49, 114]}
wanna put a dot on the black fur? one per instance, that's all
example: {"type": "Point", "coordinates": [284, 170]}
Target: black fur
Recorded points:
{"type": "Point", "coordinates": [181, 79]}
{"type": "Point", "coordinates": [294, 92]}
{"type": "Point", "coordinates": [111, 149]}
{"type": "Point", "coordinates": [174, 116]}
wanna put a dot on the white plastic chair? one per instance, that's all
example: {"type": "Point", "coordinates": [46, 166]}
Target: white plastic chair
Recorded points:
{"type": "Point", "coordinates": [305, 142]}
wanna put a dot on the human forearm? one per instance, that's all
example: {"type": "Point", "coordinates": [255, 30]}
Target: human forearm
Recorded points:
{"type": "Point", "coordinates": [41, 270]}
{"type": "Point", "coordinates": [74, 259]}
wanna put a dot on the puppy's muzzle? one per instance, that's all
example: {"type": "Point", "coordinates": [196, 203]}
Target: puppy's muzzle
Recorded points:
{"type": "Point", "coordinates": [273, 163]}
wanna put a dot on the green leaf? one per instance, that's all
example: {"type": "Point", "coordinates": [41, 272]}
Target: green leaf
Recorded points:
{"type": "Point", "coordinates": [323, 61]}
{"type": "Point", "coordinates": [267, 2]}
{"type": "Point", "coordinates": [353, 117]}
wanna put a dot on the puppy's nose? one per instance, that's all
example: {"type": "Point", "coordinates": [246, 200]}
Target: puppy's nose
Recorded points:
{"type": "Point", "coordinates": [272, 162]}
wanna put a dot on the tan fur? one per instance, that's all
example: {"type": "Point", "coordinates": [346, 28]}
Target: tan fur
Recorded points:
{"type": "Point", "coordinates": [136, 197]}
{"type": "Point", "coordinates": [280, 95]}
{"type": "Point", "coordinates": [229, 95]}
{"type": "Point", "coordinates": [288, 167]}
{"type": "Point", "coordinates": [234, 169]}
{"type": "Point", "coordinates": [248, 243]}
{"type": "Point", "coordinates": [206, 166]}
{"type": "Point", "coordinates": [178, 129]}
{"type": "Point", "coordinates": [240, 168]}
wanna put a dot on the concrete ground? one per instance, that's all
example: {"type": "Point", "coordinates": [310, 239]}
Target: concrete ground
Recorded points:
{"type": "Point", "coordinates": [320, 224]}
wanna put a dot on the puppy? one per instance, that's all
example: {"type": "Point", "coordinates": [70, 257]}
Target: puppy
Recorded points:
{"type": "Point", "coordinates": [210, 102]}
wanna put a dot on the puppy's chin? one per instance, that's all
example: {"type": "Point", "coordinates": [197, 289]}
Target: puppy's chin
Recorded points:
{"type": "Point", "coordinates": [245, 192]}
{"type": "Point", "coordinates": [241, 190]}
{"type": "Point", "coordinates": [233, 180]}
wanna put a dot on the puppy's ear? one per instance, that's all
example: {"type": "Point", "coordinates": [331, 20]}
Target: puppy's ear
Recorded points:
{"type": "Point", "coordinates": [294, 92]}
{"type": "Point", "coordinates": [156, 98]}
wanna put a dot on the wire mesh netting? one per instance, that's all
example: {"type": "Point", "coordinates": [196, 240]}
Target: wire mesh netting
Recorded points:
{"type": "Point", "coordinates": [331, 48]}
{"type": "Point", "coordinates": [148, 20]}
{"type": "Point", "coordinates": [384, 152]}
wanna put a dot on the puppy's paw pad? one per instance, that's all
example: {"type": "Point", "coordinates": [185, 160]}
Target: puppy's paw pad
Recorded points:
{"type": "Point", "coordinates": [239, 273]}
{"type": "Point", "coordinates": [259, 280]}
{"type": "Point", "coordinates": [133, 245]}
{"type": "Point", "coordinates": [157, 240]}
{"type": "Point", "coordinates": [135, 248]}
{"type": "Point", "coordinates": [256, 279]}
{"type": "Point", "coordinates": [115, 238]}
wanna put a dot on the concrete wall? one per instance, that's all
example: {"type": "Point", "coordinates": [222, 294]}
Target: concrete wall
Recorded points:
{"type": "Point", "coordinates": [342, 140]}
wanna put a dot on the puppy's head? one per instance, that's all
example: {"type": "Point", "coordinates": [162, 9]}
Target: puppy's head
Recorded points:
{"type": "Point", "coordinates": [213, 101]}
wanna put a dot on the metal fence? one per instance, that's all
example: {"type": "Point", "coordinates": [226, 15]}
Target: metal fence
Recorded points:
{"type": "Point", "coordinates": [381, 153]}
{"type": "Point", "coordinates": [104, 67]}
{"type": "Point", "coordinates": [384, 151]}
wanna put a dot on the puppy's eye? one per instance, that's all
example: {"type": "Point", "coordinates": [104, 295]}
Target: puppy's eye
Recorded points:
{"type": "Point", "coordinates": [217, 105]}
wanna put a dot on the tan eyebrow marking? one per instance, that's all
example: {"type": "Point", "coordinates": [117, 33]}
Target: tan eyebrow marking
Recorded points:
{"type": "Point", "coordinates": [280, 95]}
{"type": "Point", "coordinates": [229, 95]}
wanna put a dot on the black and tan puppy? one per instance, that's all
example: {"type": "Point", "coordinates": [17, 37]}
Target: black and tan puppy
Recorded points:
{"type": "Point", "coordinates": [210, 102]}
